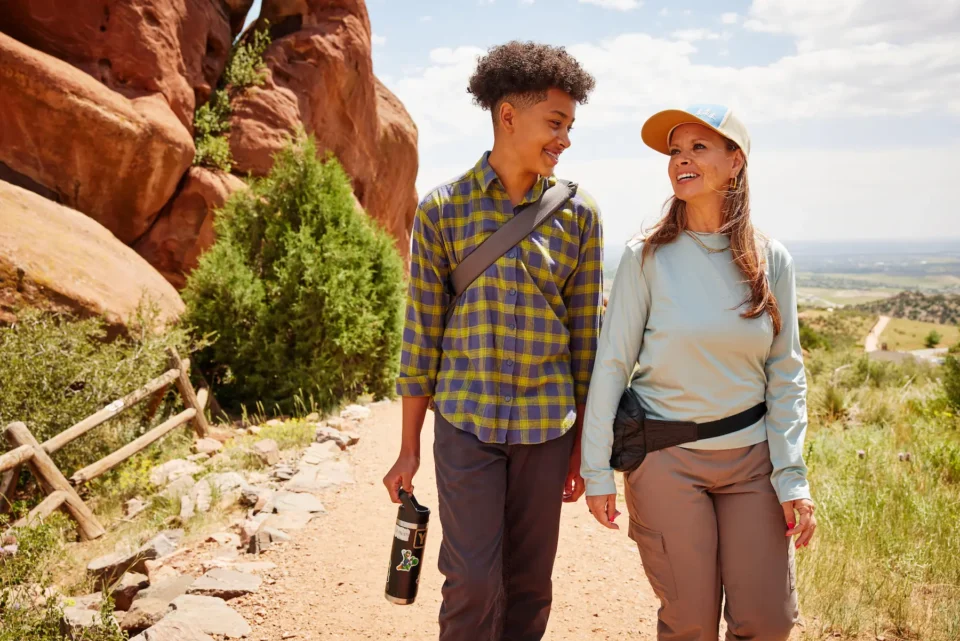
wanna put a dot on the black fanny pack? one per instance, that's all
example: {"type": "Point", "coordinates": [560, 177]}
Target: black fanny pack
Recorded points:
{"type": "Point", "coordinates": [635, 435]}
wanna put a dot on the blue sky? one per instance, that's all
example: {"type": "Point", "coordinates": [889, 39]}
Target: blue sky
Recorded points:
{"type": "Point", "coordinates": [853, 105]}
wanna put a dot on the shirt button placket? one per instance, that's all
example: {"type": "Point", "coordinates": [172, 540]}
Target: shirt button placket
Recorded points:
{"type": "Point", "coordinates": [510, 342]}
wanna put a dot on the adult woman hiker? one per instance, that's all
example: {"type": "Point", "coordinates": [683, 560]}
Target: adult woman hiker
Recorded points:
{"type": "Point", "coordinates": [707, 309]}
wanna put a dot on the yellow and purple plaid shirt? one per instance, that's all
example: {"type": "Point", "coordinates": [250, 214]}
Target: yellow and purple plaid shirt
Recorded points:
{"type": "Point", "coordinates": [518, 354]}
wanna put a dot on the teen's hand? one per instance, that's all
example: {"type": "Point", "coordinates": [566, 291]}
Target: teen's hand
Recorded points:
{"type": "Point", "coordinates": [401, 475]}
{"type": "Point", "coordinates": [807, 524]}
{"type": "Point", "coordinates": [574, 486]}
{"type": "Point", "coordinates": [604, 508]}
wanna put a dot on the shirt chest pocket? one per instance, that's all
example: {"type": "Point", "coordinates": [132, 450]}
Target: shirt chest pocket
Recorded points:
{"type": "Point", "coordinates": [553, 247]}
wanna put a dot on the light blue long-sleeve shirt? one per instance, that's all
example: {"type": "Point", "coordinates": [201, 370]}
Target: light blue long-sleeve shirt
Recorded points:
{"type": "Point", "coordinates": [677, 319]}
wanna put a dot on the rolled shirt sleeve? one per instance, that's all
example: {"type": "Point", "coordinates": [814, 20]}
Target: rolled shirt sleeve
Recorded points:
{"type": "Point", "coordinates": [786, 419]}
{"type": "Point", "coordinates": [427, 300]}
{"type": "Point", "coordinates": [617, 351]}
{"type": "Point", "coordinates": [583, 298]}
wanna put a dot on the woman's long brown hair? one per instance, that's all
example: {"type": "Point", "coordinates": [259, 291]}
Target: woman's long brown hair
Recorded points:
{"type": "Point", "coordinates": [747, 253]}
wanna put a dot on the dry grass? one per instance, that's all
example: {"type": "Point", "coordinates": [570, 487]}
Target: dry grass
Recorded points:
{"type": "Point", "coordinates": [903, 335]}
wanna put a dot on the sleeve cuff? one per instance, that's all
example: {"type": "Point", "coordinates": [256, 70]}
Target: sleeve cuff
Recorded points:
{"type": "Point", "coordinates": [601, 485]}
{"type": "Point", "coordinates": [793, 490]}
{"type": "Point", "coordinates": [415, 385]}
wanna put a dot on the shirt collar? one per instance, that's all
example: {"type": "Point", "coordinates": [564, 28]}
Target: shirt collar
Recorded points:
{"type": "Point", "coordinates": [486, 177]}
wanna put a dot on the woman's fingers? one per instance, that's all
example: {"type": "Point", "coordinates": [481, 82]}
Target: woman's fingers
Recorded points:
{"type": "Point", "coordinates": [808, 525]}
{"type": "Point", "coordinates": [598, 506]}
{"type": "Point", "coordinates": [612, 512]}
{"type": "Point", "coordinates": [790, 517]}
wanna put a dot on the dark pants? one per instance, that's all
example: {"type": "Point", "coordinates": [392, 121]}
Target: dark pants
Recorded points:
{"type": "Point", "coordinates": [500, 512]}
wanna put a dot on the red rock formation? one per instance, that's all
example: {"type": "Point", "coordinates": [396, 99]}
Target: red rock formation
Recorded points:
{"type": "Point", "coordinates": [177, 48]}
{"type": "Point", "coordinates": [321, 77]}
{"type": "Point", "coordinates": [393, 198]}
{"type": "Point", "coordinates": [114, 159]}
{"type": "Point", "coordinates": [184, 228]}
{"type": "Point", "coordinates": [57, 259]}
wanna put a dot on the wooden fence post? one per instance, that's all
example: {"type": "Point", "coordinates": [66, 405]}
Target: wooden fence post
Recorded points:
{"type": "Point", "coordinates": [200, 425]}
{"type": "Point", "coordinates": [52, 480]}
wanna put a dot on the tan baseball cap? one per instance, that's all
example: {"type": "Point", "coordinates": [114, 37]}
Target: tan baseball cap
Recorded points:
{"type": "Point", "coordinates": [658, 127]}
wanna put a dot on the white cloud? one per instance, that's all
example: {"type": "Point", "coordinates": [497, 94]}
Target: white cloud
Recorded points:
{"type": "Point", "coordinates": [619, 5]}
{"type": "Point", "coordinates": [729, 18]}
{"type": "Point", "coordinates": [378, 40]}
{"type": "Point", "coordinates": [688, 12]}
{"type": "Point", "coordinates": [692, 35]}
{"type": "Point", "coordinates": [819, 24]}
{"type": "Point", "coordinates": [426, 18]}
{"type": "Point", "coordinates": [664, 12]}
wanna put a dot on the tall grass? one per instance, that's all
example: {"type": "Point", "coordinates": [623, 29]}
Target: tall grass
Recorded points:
{"type": "Point", "coordinates": [884, 458]}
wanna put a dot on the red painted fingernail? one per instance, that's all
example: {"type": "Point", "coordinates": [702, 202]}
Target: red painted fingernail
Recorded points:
{"type": "Point", "coordinates": [790, 525]}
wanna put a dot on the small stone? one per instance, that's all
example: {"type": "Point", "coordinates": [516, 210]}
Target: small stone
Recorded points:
{"type": "Point", "coordinates": [187, 508]}
{"type": "Point", "coordinates": [198, 458]}
{"type": "Point", "coordinates": [324, 434]}
{"type": "Point", "coordinates": [296, 502]}
{"type": "Point", "coordinates": [158, 572]}
{"type": "Point", "coordinates": [283, 473]}
{"type": "Point", "coordinates": [219, 459]}
{"type": "Point", "coordinates": [133, 507]}
{"type": "Point", "coordinates": [227, 481]}
{"type": "Point", "coordinates": [355, 413]}
{"type": "Point", "coordinates": [220, 435]}
{"type": "Point", "coordinates": [126, 590]}
{"type": "Point", "coordinates": [255, 429]}
{"type": "Point", "coordinates": [209, 615]}
{"type": "Point", "coordinates": [172, 470]}
{"type": "Point", "coordinates": [288, 521]}
{"type": "Point", "coordinates": [167, 630]}
{"type": "Point", "coordinates": [268, 451]}
{"type": "Point", "coordinates": [107, 569]}
{"type": "Point", "coordinates": [208, 446]}
{"type": "Point", "coordinates": [178, 488]}
{"type": "Point", "coordinates": [9, 550]}
{"type": "Point", "coordinates": [312, 417]}
{"type": "Point", "coordinates": [274, 422]}
{"type": "Point", "coordinates": [336, 423]}
{"type": "Point", "coordinates": [225, 538]}
{"type": "Point", "coordinates": [144, 613]}
{"type": "Point", "coordinates": [319, 452]}
{"type": "Point", "coordinates": [76, 622]}
{"type": "Point", "coordinates": [202, 496]}
{"type": "Point", "coordinates": [861, 454]}
{"type": "Point", "coordinates": [226, 584]}
{"type": "Point", "coordinates": [254, 567]}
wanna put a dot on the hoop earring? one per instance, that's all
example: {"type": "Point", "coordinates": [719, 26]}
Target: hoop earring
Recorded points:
{"type": "Point", "coordinates": [734, 184]}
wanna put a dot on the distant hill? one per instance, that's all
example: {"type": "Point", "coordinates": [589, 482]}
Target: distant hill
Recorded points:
{"type": "Point", "coordinates": [929, 308]}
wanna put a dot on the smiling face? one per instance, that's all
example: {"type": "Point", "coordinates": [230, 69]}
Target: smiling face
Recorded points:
{"type": "Point", "coordinates": [702, 164]}
{"type": "Point", "coordinates": [540, 132]}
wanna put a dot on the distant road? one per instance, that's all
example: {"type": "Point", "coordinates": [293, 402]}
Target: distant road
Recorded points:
{"type": "Point", "coordinates": [872, 343]}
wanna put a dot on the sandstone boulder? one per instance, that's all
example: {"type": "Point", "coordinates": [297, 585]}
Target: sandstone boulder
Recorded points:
{"type": "Point", "coordinates": [393, 198]}
{"type": "Point", "coordinates": [115, 159]}
{"type": "Point", "coordinates": [184, 229]}
{"type": "Point", "coordinates": [177, 48]}
{"type": "Point", "coordinates": [54, 258]}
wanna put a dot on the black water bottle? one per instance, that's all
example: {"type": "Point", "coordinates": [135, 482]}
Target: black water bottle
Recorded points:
{"type": "Point", "coordinates": [406, 557]}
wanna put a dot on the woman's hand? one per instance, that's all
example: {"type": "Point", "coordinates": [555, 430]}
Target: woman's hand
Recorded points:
{"type": "Point", "coordinates": [807, 524]}
{"type": "Point", "coordinates": [604, 508]}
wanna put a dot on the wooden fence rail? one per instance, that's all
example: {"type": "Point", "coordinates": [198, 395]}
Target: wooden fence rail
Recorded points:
{"type": "Point", "coordinates": [25, 450]}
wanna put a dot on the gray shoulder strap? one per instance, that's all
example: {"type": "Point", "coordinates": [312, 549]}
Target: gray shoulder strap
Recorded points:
{"type": "Point", "coordinates": [510, 233]}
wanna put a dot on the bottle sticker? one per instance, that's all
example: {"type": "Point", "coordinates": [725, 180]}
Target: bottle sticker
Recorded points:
{"type": "Point", "coordinates": [402, 533]}
{"type": "Point", "coordinates": [407, 561]}
{"type": "Point", "coordinates": [569, 420]}
{"type": "Point", "coordinates": [419, 539]}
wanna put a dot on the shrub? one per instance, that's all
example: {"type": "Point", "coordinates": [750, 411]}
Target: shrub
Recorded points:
{"type": "Point", "coordinates": [302, 292]}
{"type": "Point", "coordinates": [210, 127]}
{"type": "Point", "coordinates": [951, 380]}
{"type": "Point", "coordinates": [245, 67]}
{"type": "Point", "coordinates": [211, 124]}
{"type": "Point", "coordinates": [24, 614]}
{"type": "Point", "coordinates": [811, 339]}
{"type": "Point", "coordinates": [55, 371]}
{"type": "Point", "coordinates": [933, 339]}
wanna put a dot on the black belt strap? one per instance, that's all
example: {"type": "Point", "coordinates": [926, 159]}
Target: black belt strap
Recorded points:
{"type": "Point", "coordinates": [661, 434]}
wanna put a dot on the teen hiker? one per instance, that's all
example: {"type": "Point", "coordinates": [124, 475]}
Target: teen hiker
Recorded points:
{"type": "Point", "coordinates": [508, 372]}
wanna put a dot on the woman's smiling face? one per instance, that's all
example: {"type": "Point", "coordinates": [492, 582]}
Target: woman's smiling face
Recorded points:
{"type": "Point", "coordinates": [701, 162]}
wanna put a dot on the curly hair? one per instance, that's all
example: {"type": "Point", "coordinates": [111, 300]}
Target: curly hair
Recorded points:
{"type": "Point", "coordinates": [525, 71]}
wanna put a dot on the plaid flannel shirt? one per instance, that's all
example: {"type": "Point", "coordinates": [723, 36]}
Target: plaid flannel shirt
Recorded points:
{"type": "Point", "coordinates": [517, 357]}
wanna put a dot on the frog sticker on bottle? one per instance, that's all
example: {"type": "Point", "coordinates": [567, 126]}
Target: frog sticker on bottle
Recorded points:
{"type": "Point", "coordinates": [570, 419]}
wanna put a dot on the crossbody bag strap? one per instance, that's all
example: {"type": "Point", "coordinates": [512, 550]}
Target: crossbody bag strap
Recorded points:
{"type": "Point", "coordinates": [529, 218]}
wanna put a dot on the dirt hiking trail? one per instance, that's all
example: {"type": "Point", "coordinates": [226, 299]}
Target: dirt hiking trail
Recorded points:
{"type": "Point", "coordinates": [329, 581]}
